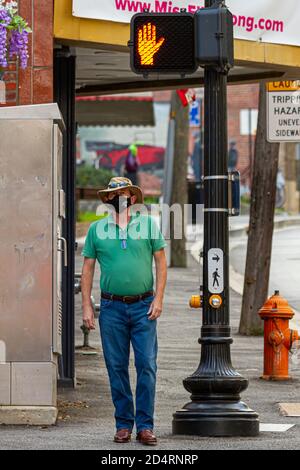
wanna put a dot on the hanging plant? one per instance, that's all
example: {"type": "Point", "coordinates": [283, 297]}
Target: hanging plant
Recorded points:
{"type": "Point", "coordinates": [14, 31]}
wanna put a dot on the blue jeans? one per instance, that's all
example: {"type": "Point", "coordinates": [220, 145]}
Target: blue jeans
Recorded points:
{"type": "Point", "coordinates": [120, 324]}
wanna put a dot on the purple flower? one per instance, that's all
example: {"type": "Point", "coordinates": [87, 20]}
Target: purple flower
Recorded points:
{"type": "Point", "coordinates": [3, 46]}
{"type": "Point", "coordinates": [17, 44]}
{"type": "Point", "coordinates": [19, 47]}
{"type": "Point", "coordinates": [5, 18]}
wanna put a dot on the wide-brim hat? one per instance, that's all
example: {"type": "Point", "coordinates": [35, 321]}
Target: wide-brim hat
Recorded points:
{"type": "Point", "coordinates": [120, 182]}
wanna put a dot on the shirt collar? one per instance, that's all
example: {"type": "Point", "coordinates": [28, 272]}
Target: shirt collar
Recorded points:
{"type": "Point", "coordinates": [133, 219]}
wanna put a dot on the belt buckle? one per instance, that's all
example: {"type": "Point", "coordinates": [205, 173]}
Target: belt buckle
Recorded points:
{"type": "Point", "coordinates": [127, 297]}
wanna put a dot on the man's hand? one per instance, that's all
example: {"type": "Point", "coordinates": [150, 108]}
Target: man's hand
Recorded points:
{"type": "Point", "coordinates": [147, 45]}
{"type": "Point", "coordinates": [86, 289]}
{"type": "Point", "coordinates": [155, 309]}
{"type": "Point", "coordinates": [89, 318]}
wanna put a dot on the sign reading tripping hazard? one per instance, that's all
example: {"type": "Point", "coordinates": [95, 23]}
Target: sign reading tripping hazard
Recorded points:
{"type": "Point", "coordinates": [215, 271]}
{"type": "Point", "coordinates": [283, 111]}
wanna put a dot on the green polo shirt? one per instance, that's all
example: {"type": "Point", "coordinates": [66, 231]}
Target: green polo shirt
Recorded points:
{"type": "Point", "coordinates": [125, 255]}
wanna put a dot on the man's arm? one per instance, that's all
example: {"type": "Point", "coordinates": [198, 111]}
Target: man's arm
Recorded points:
{"type": "Point", "coordinates": [161, 279]}
{"type": "Point", "coordinates": [86, 290]}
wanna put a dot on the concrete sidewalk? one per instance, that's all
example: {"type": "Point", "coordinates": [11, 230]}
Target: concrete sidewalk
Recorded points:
{"type": "Point", "coordinates": [86, 413]}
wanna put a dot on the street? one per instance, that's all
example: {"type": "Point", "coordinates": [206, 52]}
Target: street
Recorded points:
{"type": "Point", "coordinates": [285, 273]}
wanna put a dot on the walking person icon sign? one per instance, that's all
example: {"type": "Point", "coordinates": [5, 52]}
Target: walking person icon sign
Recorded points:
{"type": "Point", "coordinates": [215, 276]}
{"type": "Point", "coordinates": [215, 271]}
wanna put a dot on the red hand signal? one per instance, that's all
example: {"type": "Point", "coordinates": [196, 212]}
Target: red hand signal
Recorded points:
{"type": "Point", "coordinates": [147, 45]}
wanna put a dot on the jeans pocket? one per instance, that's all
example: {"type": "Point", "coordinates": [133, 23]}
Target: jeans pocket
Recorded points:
{"type": "Point", "coordinates": [147, 300]}
{"type": "Point", "coordinates": [105, 302]}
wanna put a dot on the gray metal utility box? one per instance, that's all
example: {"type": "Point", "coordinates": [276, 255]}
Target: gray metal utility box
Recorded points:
{"type": "Point", "coordinates": [32, 254]}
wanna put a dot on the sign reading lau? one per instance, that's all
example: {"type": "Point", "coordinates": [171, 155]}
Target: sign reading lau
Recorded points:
{"type": "Point", "coordinates": [283, 111]}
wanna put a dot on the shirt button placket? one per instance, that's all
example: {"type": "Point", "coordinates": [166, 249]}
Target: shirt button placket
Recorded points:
{"type": "Point", "coordinates": [123, 235]}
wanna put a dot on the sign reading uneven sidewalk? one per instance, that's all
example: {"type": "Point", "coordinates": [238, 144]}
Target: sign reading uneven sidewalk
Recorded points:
{"type": "Point", "coordinates": [283, 111]}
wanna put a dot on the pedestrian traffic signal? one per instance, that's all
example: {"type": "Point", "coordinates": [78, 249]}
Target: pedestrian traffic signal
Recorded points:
{"type": "Point", "coordinates": [162, 43]}
{"type": "Point", "coordinates": [214, 37]}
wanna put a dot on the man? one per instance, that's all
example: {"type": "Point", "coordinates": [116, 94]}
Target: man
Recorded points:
{"type": "Point", "coordinates": [197, 158]}
{"type": "Point", "coordinates": [232, 156]}
{"type": "Point", "coordinates": [132, 164]}
{"type": "Point", "coordinates": [129, 308]}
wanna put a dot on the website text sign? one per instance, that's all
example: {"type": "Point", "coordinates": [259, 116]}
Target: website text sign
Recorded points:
{"type": "Point", "coordinates": [271, 21]}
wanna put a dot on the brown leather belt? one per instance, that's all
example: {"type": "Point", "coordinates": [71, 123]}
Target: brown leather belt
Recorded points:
{"type": "Point", "coordinates": [128, 299]}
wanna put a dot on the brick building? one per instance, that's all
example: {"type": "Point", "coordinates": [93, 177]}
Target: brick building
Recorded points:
{"type": "Point", "coordinates": [34, 84]}
{"type": "Point", "coordinates": [242, 121]}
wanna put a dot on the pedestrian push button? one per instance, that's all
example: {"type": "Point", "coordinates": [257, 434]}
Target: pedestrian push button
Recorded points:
{"type": "Point", "coordinates": [196, 301]}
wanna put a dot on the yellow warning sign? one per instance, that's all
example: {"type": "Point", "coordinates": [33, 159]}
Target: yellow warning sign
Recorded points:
{"type": "Point", "coordinates": [285, 85]}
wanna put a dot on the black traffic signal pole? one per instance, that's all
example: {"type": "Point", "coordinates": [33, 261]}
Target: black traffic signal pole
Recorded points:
{"type": "Point", "coordinates": [64, 91]}
{"type": "Point", "coordinates": [215, 408]}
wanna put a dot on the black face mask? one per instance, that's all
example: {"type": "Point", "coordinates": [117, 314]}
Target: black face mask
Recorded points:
{"type": "Point", "coordinates": [120, 203]}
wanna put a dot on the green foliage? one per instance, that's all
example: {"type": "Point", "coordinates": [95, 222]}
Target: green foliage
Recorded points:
{"type": "Point", "coordinates": [88, 176]}
{"type": "Point", "coordinates": [151, 199]}
{"type": "Point", "coordinates": [280, 210]}
{"type": "Point", "coordinates": [89, 217]}
{"type": "Point", "coordinates": [256, 331]}
{"type": "Point", "coordinates": [19, 24]}
{"type": "Point", "coordinates": [246, 199]}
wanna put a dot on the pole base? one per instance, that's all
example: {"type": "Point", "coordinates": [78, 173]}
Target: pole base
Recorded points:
{"type": "Point", "coordinates": [216, 419]}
